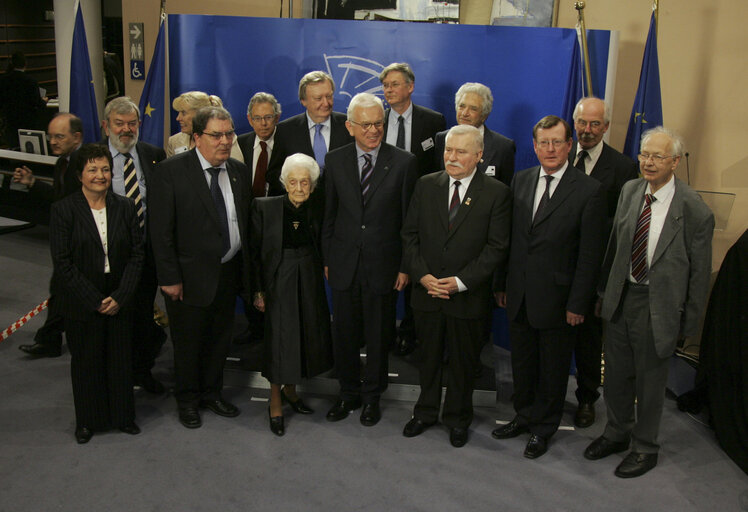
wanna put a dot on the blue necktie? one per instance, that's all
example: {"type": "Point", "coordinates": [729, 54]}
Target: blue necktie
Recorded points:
{"type": "Point", "coordinates": [320, 148]}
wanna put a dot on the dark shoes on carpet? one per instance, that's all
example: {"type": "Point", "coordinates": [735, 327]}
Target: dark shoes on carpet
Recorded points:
{"type": "Point", "coordinates": [277, 426]}
{"type": "Point", "coordinates": [42, 350]}
{"type": "Point", "coordinates": [220, 407]}
{"type": "Point", "coordinates": [415, 427]}
{"type": "Point", "coordinates": [602, 447]}
{"type": "Point", "coordinates": [458, 436]}
{"type": "Point", "coordinates": [371, 414]}
{"type": "Point", "coordinates": [83, 435]}
{"type": "Point", "coordinates": [511, 429]}
{"type": "Point", "coordinates": [131, 429]}
{"type": "Point", "coordinates": [585, 415]}
{"type": "Point", "coordinates": [342, 409]}
{"type": "Point", "coordinates": [298, 405]}
{"type": "Point", "coordinates": [636, 464]}
{"type": "Point", "coordinates": [404, 346]}
{"type": "Point", "coordinates": [190, 417]}
{"type": "Point", "coordinates": [149, 383]}
{"type": "Point", "coordinates": [536, 446]}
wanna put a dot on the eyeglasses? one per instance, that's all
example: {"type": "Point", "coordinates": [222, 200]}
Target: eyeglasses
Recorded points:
{"type": "Point", "coordinates": [56, 136]}
{"type": "Point", "coordinates": [592, 124]}
{"type": "Point", "coordinates": [367, 126]}
{"type": "Point", "coordinates": [217, 136]}
{"type": "Point", "coordinates": [643, 157]}
{"type": "Point", "coordinates": [545, 144]}
{"type": "Point", "coordinates": [268, 118]}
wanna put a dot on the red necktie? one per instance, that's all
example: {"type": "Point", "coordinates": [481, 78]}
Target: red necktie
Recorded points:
{"type": "Point", "coordinates": [639, 268]}
{"type": "Point", "coordinates": [258, 185]}
{"type": "Point", "coordinates": [454, 204]}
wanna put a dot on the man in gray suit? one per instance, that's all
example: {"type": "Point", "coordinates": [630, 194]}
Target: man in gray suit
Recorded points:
{"type": "Point", "coordinates": [655, 281]}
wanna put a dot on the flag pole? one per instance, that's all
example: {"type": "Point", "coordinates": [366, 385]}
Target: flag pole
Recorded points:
{"type": "Point", "coordinates": [656, 8]}
{"type": "Point", "coordinates": [579, 6]}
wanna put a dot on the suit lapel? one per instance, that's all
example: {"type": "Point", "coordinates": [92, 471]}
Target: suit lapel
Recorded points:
{"type": "Point", "coordinates": [196, 176]}
{"type": "Point", "coordinates": [443, 200]}
{"type": "Point", "coordinates": [238, 193]}
{"type": "Point", "coordinates": [84, 213]}
{"type": "Point", "coordinates": [634, 206]}
{"type": "Point", "coordinates": [303, 128]}
{"type": "Point", "coordinates": [381, 168]}
{"type": "Point", "coordinates": [472, 195]}
{"type": "Point", "coordinates": [672, 224]}
{"type": "Point", "coordinates": [563, 189]}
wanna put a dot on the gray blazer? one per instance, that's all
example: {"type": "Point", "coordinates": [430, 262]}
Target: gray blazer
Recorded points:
{"type": "Point", "coordinates": [680, 269]}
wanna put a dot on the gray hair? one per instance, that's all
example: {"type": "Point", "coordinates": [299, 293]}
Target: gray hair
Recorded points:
{"type": "Point", "coordinates": [363, 100]}
{"type": "Point", "coordinates": [264, 97]}
{"type": "Point", "coordinates": [466, 129]}
{"type": "Point", "coordinates": [479, 89]}
{"type": "Point", "coordinates": [121, 105]}
{"type": "Point", "coordinates": [676, 141]}
{"type": "Point", "coordinates": [205, 114]}
{"type": "Point", "coordinates": [300, 160]}
{"type": "Point", "coordinates": [606, 108]}
{"type": "Point", "coordinates": [402, 67]}
{"type": "Point", "coordinates": [313, 77]}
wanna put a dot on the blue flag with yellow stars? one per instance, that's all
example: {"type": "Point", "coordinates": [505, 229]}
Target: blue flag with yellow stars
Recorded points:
{"type": "Point", "coordinates": [82, 94]}
{"type": "Point", "coordinates": [152, 99]}
{"type": "Point", "coordinates": [647, 110]}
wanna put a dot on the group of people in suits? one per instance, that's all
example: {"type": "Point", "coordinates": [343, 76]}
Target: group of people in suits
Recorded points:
{"type": "Point", "coordinates": [360, 199]}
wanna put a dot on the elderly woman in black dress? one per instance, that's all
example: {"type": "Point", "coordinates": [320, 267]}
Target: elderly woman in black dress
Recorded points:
{"type": "Point", "coordinates": [97, 252]}
{"type": "Point", "coordinates": [287, 271]}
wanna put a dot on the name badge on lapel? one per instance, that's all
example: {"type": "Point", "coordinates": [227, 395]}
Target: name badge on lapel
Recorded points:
{"type": "Point", "coordinates": [491, 170]}
{"type": "Point", "coordinates": [427, 144]}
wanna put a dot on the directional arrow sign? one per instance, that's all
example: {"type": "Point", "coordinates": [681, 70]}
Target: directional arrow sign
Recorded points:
{"type": "Point", "coordinates": [136, 31]}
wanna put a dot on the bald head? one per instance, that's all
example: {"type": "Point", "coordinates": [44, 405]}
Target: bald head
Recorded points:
{"type": "Point", "coordinates": [591, 121]}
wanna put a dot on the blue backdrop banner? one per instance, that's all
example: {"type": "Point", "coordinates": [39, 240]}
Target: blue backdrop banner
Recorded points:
{"type": "Point", "coordinates": [527, 69]}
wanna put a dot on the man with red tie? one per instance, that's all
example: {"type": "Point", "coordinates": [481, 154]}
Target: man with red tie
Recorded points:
{"type": "Point", "coordinates": [263, 114]}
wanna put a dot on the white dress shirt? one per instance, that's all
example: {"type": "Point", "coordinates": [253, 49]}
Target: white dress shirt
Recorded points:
{"type": "Point", "coordinates": [228, 197]}
{"type": "Point", "coordinates": [392, 126]}
{"type": "Point", "coordinates": [540, 188]}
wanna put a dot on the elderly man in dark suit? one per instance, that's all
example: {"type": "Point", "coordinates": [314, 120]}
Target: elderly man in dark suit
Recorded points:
{"type": "Point", "coordinates": [134, 164]}
{"type": "Point", "coordinates": [558, 226]}
{"type": "Point", "coordinates": [413, 128]}
{"type": "Point", "coordinates": [455, 236]}
{"type": "Point", "coordinates": [258, 146]}
{"type": "Point", "coordinates": [655, 281]}
{"type": "Point", "coordinates": [199, 207]}
{"type": "Point", "coordinates": [473, 105]}
{"type": "Point", "coordinates": [367, 192]}
{"type": "Point", "coordinates": [611, 168]}
{"type": "Point", "coordinates": [313, 132]}
{"type": "Point", "coordinates": [65, 134]}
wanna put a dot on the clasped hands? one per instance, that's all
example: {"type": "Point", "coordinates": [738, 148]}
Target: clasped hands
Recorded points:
{"type": "Point", "coordinates": [439, 288]}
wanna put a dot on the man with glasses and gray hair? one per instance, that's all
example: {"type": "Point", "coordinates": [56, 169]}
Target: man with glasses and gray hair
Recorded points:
{"type": "Point", "coordinates": [263, 114]}
{"type": "Point", "coordinates": [199, 213]}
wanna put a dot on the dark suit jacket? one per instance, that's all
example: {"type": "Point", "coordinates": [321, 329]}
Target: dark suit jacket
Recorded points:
{"type": "Point", "coordinates": [20, 102]}
{"type": "Point", "coordinates": [184, 226]}
{"type": "Point", "coordinates": [354, 233]}
{"type": "Point", "coordinates": [78, 255]}
{"type": "Point", "coordinates": [292, 136]}
{"type": "Point", "coordinates": [498, 151]}
{"type": "Point", "coordinates": [681, 266]}
{"type": "Point", "coordinates": [554, 264]}
{"type": "Point", "coordinates": [612, 169]}
{"type": "Point", "coordinates": [426, 123]}
{"type": "Point", "coordinates": [246, 143]}
{"type": "Point", "coordinates": [476, 245]}
{"type": "Point", "coordinates": [148, 155]}
{"type": "Point", "coordinates": [63, 183]}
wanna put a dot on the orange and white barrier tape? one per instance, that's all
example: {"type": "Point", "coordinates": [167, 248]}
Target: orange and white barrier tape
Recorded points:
{"type": "Point", "coordinates": [25, 318]}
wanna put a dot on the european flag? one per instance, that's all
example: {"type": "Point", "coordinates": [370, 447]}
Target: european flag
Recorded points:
{"type": "Point", "coordinates": [647, 110]}
{"type": "Point", "coordinates": [82, 94]}
{"type": "Point", "coordinates": [574, 85]}
{"type": "Point", "coordinates": [152, 99]}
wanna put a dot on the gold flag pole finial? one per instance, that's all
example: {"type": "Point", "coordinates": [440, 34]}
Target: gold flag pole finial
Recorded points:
{"type": "Point", "coordinates": [579, 6]}
{"type": "Point", "coordinates": [656, 9]}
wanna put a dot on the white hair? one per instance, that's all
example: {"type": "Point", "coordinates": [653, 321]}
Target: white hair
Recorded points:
{"type": "Point", "coordinates": [300, 161]}
{"type": "Point", "coordinates": [363, 100]}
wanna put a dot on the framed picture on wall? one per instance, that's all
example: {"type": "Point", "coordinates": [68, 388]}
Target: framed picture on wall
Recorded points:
{"type": "Point", "coordinates": [524, 13]}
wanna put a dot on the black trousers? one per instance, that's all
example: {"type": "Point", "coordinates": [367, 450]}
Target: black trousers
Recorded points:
{"type": "Point", "coordinates": [148, 336]}
{"type": "Point", "coordinates": [588, 348]}
{"type": "Point", "coordinates": [101, 370]}
{"type": "Point", "coordinates": [50, 333]}
{"type": "Point", "coordinates": [541, 359]}
{"type": "Point", "coordinates": [202, 339]}
{"type": "Point", "coordinates": [463, 340]}
{"type": "Point", "coordinates": [362, 317]}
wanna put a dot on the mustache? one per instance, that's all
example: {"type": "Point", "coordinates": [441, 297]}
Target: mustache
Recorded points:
{"type": "Point", "coordinates": [455, 164]}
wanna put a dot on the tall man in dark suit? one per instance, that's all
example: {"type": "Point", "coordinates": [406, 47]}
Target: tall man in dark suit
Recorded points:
{"type": "Point", "coordinates": [20, 100]}
{"type": "Point", "coordinates": [455, 236]}
{"type": "Point", "coordinates": [413, 128]}
{"type": "Point", "coordinates": [611, 168]}
{"type": "Point", "coordinates": [655, 281]}
{"type": "Point", "coordinates": [65, 135]}
{"type": "Point", "coordinates": [133, 166]}
{"type": "Point", "coordinates": [199, 214]}
{"type": "Point", "coordinates": [258, 146]}
{"type": "Point", "coordinates": [473, 104]}
{"type": "Point", "coordinates": [558, 226]}
{"type": "Point", "coordinates": [367, 192]}
{"type": "Point", "coordinates": [314, 132]}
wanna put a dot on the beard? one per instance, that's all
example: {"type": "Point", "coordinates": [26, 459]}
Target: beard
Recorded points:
{"type": "Point", "coordinates": [121, 146]}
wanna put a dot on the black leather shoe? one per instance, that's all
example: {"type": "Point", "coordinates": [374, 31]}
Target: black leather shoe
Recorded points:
{"type": "Point", "coordinates": [585, 415]}
{"type": "Point", "coordinates": [276, 424]}
{"type": "Point", "coordinates": [602, 447]}
{"type": "Point", "coordinates": [83, 435]}
{"type": "Point", "coordinates": [149, 383]}
{"type": "Point", "coordinates": [636, 464]}
{"type": "Point", "coordinates": [342, 409]}
{"type": "Point", "coordinates": [41, 350]}
{"type": "Point", "coordinates": [511, 429]}
{"type": "Point", "coordinates": [220, 407]}
{"type": "Point", "coordinates": [536, 446]}
{"type": "Point", "coordinates": [131, 429]}
{"type": "Point", "coordinates": [298, 406]}
{"type": "Point", "coordinates": [458, 437]}
{"type": "Point", "coordinates": [190, 417]}
{"type": "Point", "coordinates": [404, 346]}
{"type": "Point", "coordinates": [415, 427]}
{"type": "Point", "coordinates": [371, 414]}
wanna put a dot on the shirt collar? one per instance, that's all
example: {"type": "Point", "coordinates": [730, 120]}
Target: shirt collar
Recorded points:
{"type": "Point", "coordinates": [593, 152]}
{"type": "Point", "coordinates": [205, 164]}
{"type": "Point", "coordinates": [558, 174]}
{"type": "Point", "coordinates": [665, 191]}
{"type": "Point", "coordinates": [311, 124]}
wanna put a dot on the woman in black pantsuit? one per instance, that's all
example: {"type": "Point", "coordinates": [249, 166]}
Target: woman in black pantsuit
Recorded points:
{"type": "Point", "coordinates": [97, 252]}
{"type": "Point", "coordinates": [287, 271]}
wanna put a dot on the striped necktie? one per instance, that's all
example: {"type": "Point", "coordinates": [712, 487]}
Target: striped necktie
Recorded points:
{"type": "Point", "coordinates": [639, 267]}
{"type": "Point", "coordinates": [366, 171]}
{"type": "Point", "coordinates": [454, 204]}
{"type": "Point", "coordinates": [132, 190]}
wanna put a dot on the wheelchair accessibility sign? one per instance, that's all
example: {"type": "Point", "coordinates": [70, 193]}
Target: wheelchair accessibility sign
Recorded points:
{"type": "Point", "coordinates": [137, 69]}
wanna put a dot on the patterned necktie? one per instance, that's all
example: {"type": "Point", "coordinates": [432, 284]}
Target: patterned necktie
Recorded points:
{"type": "Point", "coordinates": [545, 197]}
{"type": "Point", "coordinates": [400, 133]}
{"type": "Point", "coordinates": [223, 219]}
{"type": "Point", "coordinates": [132, 190]}
{"type": "Point", "coordinates": [366, 171]}
{"type": "Point", "coordinates": [320, 148]}
{"type": "Point", "coordinates": [639, 267]}
{"type": "Point", "coordinates": [258, 185]}
{"type": "Point", "coordinates": [454, 204]}
{"type": "Point", "coordinates": [581, 156]}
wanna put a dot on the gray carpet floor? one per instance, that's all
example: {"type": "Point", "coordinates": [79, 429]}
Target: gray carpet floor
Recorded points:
{"type": "Point", "coordinates": [237, 464]}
